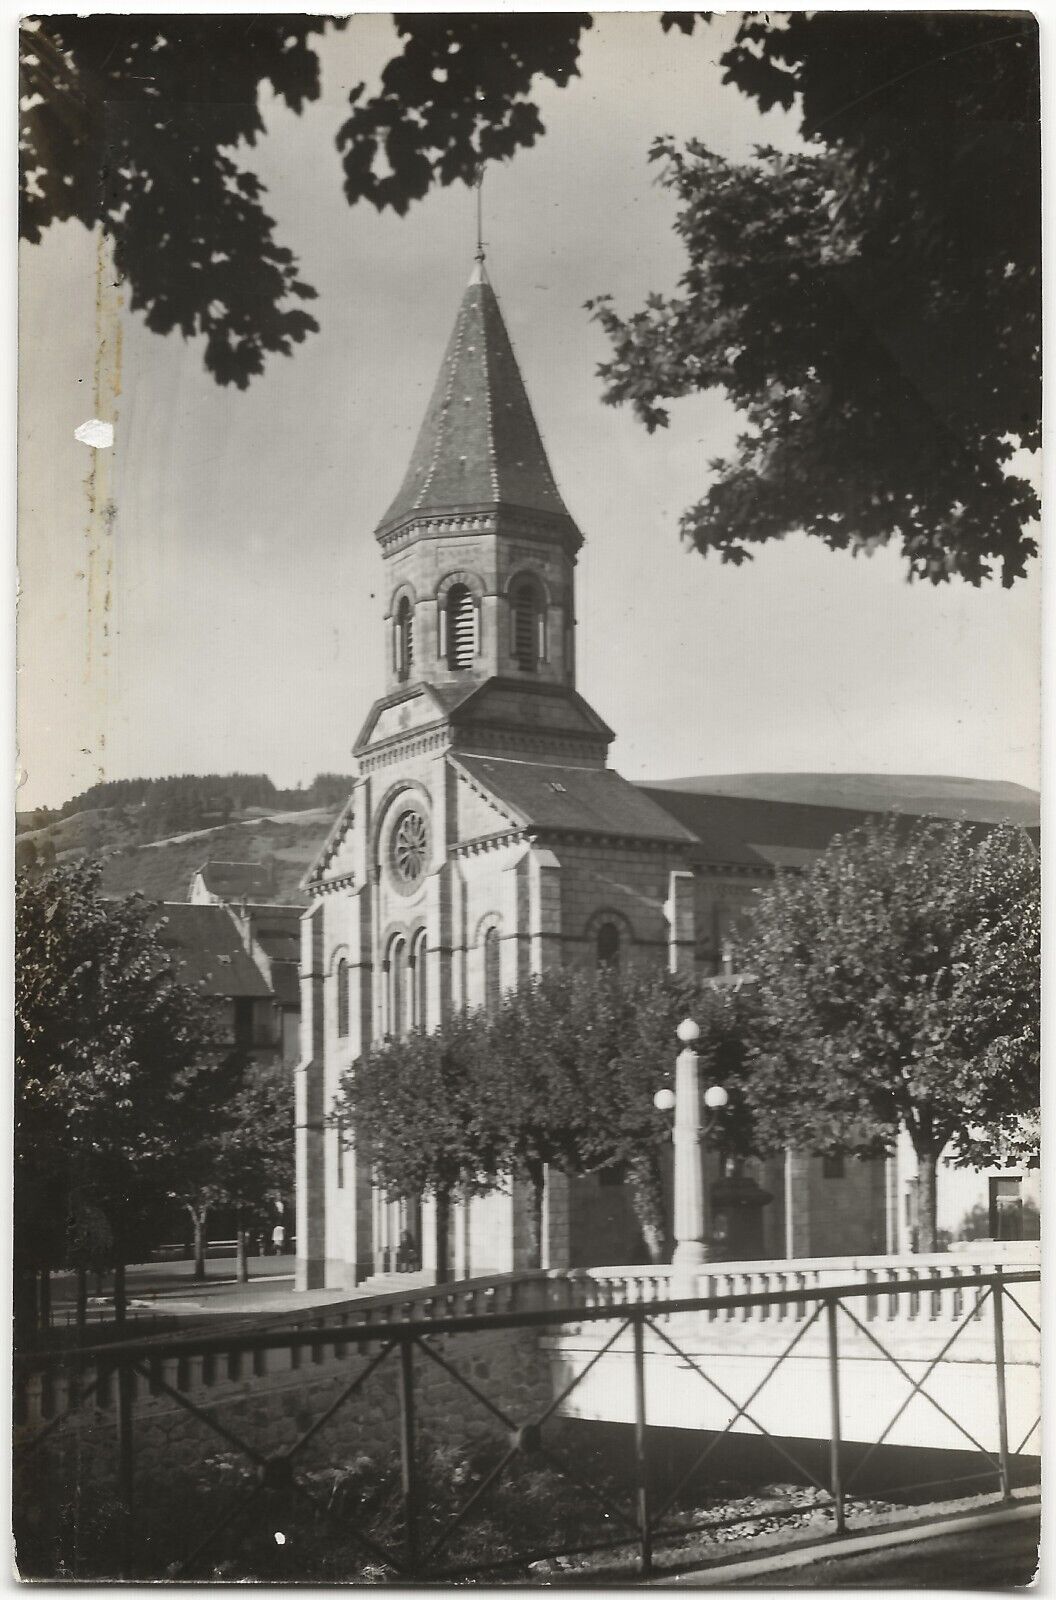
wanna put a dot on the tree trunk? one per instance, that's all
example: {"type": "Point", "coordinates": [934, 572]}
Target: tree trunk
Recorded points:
{"type": "Point", "coordinates": [82, 1304]}
{"type": "Point", "coordinates": [647, 1197]}
{"type": "Point", "coordinates": [199, 1214]}
{"type": "Point", "coordinates": [926, 1185]}
{"type": "Point", "coordinates": [241, 1263]}
{"type": "Point", "coordinates": [443, 1236]}
{"type": "Point", "coordinates": [537, 1179]}
{"type": "Point", "coordinates": [120, 1297]}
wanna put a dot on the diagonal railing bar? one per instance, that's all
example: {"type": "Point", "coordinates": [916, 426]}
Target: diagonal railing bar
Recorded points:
{"type": "Point", "coordinates": [916, 1388]}
{"type": "Point", "coordinates": [449, 1367]}
{"type": "Point", "coordinates": [379, 1551]}
{"type": "Point", "coordinates": [38, 1438]}
{"type": "Point", "coordinates": [611, 1507]}
{"type": "Point", "coordinates": [578, 1379]}
{"type": "Point", "coordinates": [1035, 1425]}
{"type": "Point", "coordinates": [478, 1494]}
{"type": "Point", "coordinates": [346, 1394]}
{"type": "Point", "coordinates": [240, 1507]}
{"type": "Point", "coordinates": [730, 1401]}
{"type": "Point", "coordinates": [197, 1411]}
{"type": "Point", "coordinates": [1022, 1312]}
{"type": "Point", "coordinates": [742, 1410]}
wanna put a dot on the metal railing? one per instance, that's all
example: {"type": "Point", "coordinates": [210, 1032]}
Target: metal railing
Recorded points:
{"type": "Point", "coordinates": [118, 1376]}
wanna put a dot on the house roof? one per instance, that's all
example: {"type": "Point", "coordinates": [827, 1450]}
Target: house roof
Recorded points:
{"type": "Point", "coordinates": [208, 951]}
{"type": "Point", "coordinates": [277, 929]}
{"type": "Point", "coordinates": [591, 800]}
{"type": "Point", "coordinates": [236, 880]}
{"type": "Point", "coordinates": [478, 446]}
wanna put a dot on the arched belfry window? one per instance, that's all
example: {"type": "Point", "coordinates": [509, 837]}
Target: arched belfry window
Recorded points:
{"type": "Point", "coordinates": [461, 627]}
{"type": "Point", "coordinates": [404, 640]}
{"type": "Point", "coordinates": [527, 623]}
{"type": "Point", "coordinates": [342, 999]}
{"type": "Point", "coordinates": [608, 945]}
{"type": "Point", "coordinates": [492, 983]}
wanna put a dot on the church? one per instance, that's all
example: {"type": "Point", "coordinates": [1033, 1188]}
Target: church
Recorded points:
{"type": "Point", "coordinates": [487, 839]}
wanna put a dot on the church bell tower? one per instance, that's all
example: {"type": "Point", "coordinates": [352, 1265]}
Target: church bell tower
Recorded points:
{"type": "Point", "coordinates": [478, 545]}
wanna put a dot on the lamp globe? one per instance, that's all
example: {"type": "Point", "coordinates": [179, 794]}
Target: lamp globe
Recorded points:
{"type": "Point", "coordinates": [716, 1097]}
{"type": "Point", "coordinates": [664, 1099]}
{"type": "Point", "coordinates": [687, 1031]}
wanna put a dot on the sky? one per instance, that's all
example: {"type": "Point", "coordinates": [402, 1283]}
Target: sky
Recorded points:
{"type": "Point", "coordinates": [243, 606]}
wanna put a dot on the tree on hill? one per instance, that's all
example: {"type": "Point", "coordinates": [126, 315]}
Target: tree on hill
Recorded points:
{"type": "Point", "coordinates": [107, 1046]}
{"type": "Point", "coordinates": [881, 341]}
{"type": "Point", "coordinates": [897, 988]}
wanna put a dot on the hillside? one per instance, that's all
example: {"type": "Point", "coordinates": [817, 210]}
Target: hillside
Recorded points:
{"type": "Point", "coordinates": [162, 868]}
{"type": "Point", "coordinates": [981, 799]}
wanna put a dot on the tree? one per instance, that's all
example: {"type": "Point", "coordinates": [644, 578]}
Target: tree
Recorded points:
{"type": "Point", "coordinates": [546, 1048]}
{"type": "Point", "coordinates": [243, 1158]}
{"type": "Point", "coordinates": [898, 989]}
{"type": "Point", "coordinates": [881, 341]}
{"type": "Point", "coordinates": [412, 1106]}
{"type": "Point", "coordinates": [106, 1042]}
{"type": "Point", "coordinates": [882, 344]}
{"type": "Point", "coordinates": [625, 1130]}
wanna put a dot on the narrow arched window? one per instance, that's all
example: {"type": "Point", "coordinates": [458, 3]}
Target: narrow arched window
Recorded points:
{"type": "Point", "coordinates": [526, 622]}
{"type": "Point", "coordinates": [492, 984]}
{"type": "Point", "coordinates": [461, 627]}
{"type": "Point", "coordinates": [342, 999]}
{"type": "Point", "coordinates": [418, 982]}
{"type": "Point", "coordinates": [404, 638]}
{"type": "Point", "coordinates": [396, 988]}
{"type": "Point", "coordinates": [608, 945]}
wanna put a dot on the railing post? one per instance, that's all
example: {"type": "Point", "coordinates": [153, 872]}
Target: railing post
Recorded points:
{"type": "Point", "coordinates": [409, 1476]}
{"type": "Point", "coordinates": [641, 1448]}
{"type": "Point", "coordinates": [1004, 1479]}
{"type": "Point", "coordinates": [125, 1461]}
{"type": "Point", "coordinates": [835, 1464]}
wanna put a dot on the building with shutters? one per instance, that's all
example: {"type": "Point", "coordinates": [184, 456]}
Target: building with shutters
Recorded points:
{"type": "Point", "coordinates": [486, 838]}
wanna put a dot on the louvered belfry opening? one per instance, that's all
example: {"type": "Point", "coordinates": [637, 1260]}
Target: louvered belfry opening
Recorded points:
{"type": "Point", "coordinates": [525, 607]}
{"type": "Point", "coordinates": [461, 628]}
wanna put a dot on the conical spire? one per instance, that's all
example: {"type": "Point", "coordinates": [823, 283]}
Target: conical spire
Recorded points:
{"type": "Point", "coordinates": [478, 447]}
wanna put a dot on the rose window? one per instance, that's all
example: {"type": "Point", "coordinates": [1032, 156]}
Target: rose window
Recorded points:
{"type": "Point", "coordinates": [410, 844]}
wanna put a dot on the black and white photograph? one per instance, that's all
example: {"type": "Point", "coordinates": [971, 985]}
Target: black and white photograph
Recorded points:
{"type": "Point", "coordinates": [527, 885]}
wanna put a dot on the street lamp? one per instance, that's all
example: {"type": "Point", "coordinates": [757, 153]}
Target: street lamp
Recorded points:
{"type": "Point", "coordinates": [691, 1128]}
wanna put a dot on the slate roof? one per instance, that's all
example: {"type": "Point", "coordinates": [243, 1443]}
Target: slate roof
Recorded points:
{"type": "Point", "coordinates": [478, 446]}
{"type": "Point", "coordinates": [744, 830]}
{"type": "Point", "coordinates": [917, 794]}
{"type": "Point", "coordinates": [591, 800]}
{"type": "Point", "coordinates": [208, 951]}
{"type": "Point", "coordinates": [236, 880]}
{"type": "Point", "coordinates": [277, 931]}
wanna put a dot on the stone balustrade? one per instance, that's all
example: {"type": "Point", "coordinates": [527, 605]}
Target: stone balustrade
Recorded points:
{"type": "Point", "coordinates": [47, 1390]}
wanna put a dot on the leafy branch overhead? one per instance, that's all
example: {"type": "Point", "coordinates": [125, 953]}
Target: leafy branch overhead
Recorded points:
{"type": "Point", "coordinates": [870, 303]}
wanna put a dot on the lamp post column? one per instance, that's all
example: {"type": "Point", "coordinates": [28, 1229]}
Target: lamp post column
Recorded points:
{"type": "Point", "coordinates": [691, 1242]}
